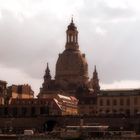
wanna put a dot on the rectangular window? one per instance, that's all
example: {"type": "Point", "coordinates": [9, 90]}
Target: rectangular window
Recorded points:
{"type": "Point", "coordinates": [121, 102]}
{"type": "Point", "coordinates": [114, 102]}
{"type": "Point", "coordinates": [33, 111]}
{"type": "Point", "coordinates": [135, 101]}
{"type": "Point", "coordinates": [101, 102]}
{"type": "Point", "coordinates": [108, 102]}
{"type": "Point", "coordinates": [128, 102]}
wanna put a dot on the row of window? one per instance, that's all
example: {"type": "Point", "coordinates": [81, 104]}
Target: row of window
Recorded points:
{"type": "Point", "coordinates": [23, 111]}
{"type": "Point", "coordinates": [120, 111]}
{"type": "Point", "coordinates": [23, 102]}
{"type": "Point", "coordinates": [115, 102]}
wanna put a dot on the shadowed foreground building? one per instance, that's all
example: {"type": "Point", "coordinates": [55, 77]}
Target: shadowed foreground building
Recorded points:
{"type": "Point", "coordinates": [20, 91]}
{"type": "Point", "coordinates": [14, 92]}
{"type": "Point", "coordinates": [3, 88]}
{"type": "Point", "coordinates": [34, 107]}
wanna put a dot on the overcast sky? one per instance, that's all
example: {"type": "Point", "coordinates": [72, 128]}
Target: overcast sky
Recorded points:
{"type": "Point", "coordinates": [32, 33]}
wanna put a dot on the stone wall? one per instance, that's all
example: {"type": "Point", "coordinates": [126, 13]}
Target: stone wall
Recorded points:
{"type": "Point", "coordinates": [38, 122]}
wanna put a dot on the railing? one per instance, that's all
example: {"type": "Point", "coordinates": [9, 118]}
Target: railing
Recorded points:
{"type": "Point", "coordinates": [110, 138]}
{"type": "Point", "coordinates": [58, 138]}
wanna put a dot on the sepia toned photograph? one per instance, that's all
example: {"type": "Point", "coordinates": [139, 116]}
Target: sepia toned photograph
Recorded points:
{"type": "Point", "coordinates": [69, 70]}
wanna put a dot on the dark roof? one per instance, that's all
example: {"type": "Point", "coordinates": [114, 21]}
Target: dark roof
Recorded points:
{"type": "Point", "coordinates": [28, 101]}
{"type": "Point", "coordinates": [120, 92]}
{"type": "Point", "coordinates": [1, 81]}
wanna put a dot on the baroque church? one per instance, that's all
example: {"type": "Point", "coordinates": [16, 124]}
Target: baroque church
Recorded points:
{"type": "Point", "coordinates": [71, 74]}
{"type": "Point", "coordinates": [71, 79]}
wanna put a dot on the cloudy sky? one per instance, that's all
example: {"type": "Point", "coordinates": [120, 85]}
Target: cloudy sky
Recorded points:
{"type": "Point", "coordinates": [32, 33]}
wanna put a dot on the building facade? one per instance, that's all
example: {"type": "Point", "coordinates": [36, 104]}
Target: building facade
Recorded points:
{"type": "Point", "coordinates": [30, 108]}
{"type": "Point", "coordinates": [3, 92]}
{"type": "Point", "coordinates": [20, 92]}
{"type": "Point", "coordinates": [33, 107]}
{"type": "Point", "coordinates": [119, 102]}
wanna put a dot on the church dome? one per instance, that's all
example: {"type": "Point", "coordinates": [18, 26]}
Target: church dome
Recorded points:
{"type": "Point", "coordinates": [71, 66]}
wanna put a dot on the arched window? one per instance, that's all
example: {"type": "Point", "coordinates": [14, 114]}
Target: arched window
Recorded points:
{"type": "Point", "coordinates": [72, 38]}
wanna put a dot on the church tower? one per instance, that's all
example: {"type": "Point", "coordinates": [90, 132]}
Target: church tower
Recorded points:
{"type": "Point", "coordinates": [47, 79]}
{"type": "Point", "coordinates": [71, 66]}
{"type": "Point", "coordinates": [95, 81]}
{"type": "Point", "coordinates": [72, 37]}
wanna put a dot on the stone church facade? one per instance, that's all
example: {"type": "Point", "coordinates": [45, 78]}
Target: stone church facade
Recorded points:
{"type": "Point", "coordinates": [71, 72]}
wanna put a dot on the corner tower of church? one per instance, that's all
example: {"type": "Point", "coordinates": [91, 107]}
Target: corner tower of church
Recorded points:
{"type": "Point", "coordinates": [71, 66]}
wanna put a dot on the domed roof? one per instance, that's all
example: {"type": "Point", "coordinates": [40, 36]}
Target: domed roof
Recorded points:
{"type": "Point", "coordinates": [72, 67]}
{"type": "Point", "coordinates": [72, 26]}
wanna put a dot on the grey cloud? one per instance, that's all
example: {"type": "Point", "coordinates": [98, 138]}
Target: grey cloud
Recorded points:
{"type": "Point", "coordinates": [28, 44]}
{"type": "Point", "coordinates": [32, 42]}
{"type": "Point", "coordinates": [99, 9]}
{"type": "Point", "coordinates": [117, 53]}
